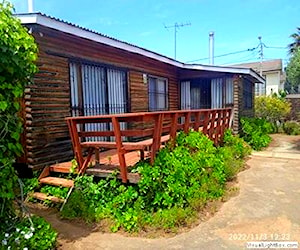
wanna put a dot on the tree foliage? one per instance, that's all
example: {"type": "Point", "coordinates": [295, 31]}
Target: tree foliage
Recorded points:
{"type": "Point", "coordinates": [296, 43]}
{"type": "Point", "coordinates": [18, 52]}
{"type": "Point", "coordinates": [271, 108]}
{"type": "Point", "coordinates": [293, 70]}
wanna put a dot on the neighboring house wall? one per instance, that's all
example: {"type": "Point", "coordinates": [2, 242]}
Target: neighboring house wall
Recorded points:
{"type": "Point", "coordinates": [271, 71]}
{"type": "Point", "coordinates": [273, 82]}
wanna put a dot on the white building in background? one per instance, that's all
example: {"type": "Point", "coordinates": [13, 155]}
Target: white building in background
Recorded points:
{"type": "Point", "coordinates": [273, 73]}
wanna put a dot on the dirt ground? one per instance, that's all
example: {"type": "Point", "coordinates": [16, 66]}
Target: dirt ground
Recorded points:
{"type": "Point", "coordinates": [266, 207]}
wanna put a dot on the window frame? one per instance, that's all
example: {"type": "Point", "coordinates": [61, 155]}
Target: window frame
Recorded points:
{"type": "Point", "coordinates": [166, 93]}
{"type": "Point", "coordinates": [247, 94]}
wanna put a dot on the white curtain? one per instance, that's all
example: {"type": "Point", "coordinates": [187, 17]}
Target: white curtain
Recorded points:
{"type": "Point", "coordinates": [161, 96]}
{"type": "Point", "coordinates": [229, 90]}
{"type": "Point", "coordinates": [216, 93]}
{"type": "Point", "coordinates": [185, 95]}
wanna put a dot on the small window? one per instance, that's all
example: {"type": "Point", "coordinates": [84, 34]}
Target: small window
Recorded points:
{"type": "Point", "coordinates": [158, 93]}
{"type": "Point", "coordinates": [247, 94]}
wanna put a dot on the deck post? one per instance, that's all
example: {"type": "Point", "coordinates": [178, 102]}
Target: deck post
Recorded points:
{"type": "Point", "coordinates": [156, 136]}
{"type": "Point", "coordinates": [187, 120]}
{"type": "Point", "coordinates": [197, 121]}
{"type": "Point", "coordinates": [120, 148]}
{"type": "Point", "coordinates": [76, 142]}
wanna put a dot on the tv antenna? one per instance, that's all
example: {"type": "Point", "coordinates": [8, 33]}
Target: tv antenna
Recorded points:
{"type": "Point", "coordinates": [176, 26]}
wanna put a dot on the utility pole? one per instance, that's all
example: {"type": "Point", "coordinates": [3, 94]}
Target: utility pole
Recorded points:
{"type": "Point", "coordinates": [176, 26]}
{"type": "Point", "coordinates": [211, 47]}
{"type": "Point", "coordinates": [261, 53]}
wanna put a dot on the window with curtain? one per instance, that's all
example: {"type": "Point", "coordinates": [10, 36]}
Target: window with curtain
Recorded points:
{"type": "Point", "coordinates": [158, 93]}
{"type": "Point", "coordinates": [229, 91]}
{"type": "Point", "coordinates": [247, 94]}
{"type": "Point", "coordinates": [97, 90]}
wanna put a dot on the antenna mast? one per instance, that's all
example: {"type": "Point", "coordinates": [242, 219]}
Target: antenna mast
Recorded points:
{"type": "Point", "coordinates": [176, 26]}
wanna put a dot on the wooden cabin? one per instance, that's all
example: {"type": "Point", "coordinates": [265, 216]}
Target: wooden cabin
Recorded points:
{"type": "Point", "coordinates": [84, 73]}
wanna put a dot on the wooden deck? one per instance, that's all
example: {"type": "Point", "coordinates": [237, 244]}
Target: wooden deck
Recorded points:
{"type": "Point", "coordinates": [88, 139]}
{"type": "Point", "coordinates": [108, 164]}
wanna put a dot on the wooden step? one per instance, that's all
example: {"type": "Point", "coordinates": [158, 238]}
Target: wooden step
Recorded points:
{"type": "Point", "coordinates": [61, 168]}
{"type": "Point", "coordinates": [43, 197]}
{"type": "Point", "coordinates": [55, 181]}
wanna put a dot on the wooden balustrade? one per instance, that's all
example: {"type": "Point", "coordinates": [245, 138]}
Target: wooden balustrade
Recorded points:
{"type": "Point", "coordinates": [140, 131]}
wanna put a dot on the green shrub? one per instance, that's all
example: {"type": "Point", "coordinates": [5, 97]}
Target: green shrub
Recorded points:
{"type": "Point", "coordinates": [255, 132]}
{"type": "Point", "coordinates": [17, 53]}
{"type": "Point", "coordinates": [291, 128]}
{"type": "Point", "coordinates": [23, 235]}
{"type": "Point", "coordinates": [29, 185]}
{"type": "Point", "coordinates": [272, 108]}
{"type": "Point", "coordinates": [181, 180]}
{"type": "Point", "coordinates": [233, 152]}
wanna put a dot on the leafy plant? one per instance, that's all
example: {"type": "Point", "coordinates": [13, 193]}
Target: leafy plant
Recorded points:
{"type": "Point", "coordinates": [293, 70]}
{"type": "Point", "coordinates": [18, 53]}
{"type": "Point", "coordinates": [272, 108]}
{"type": "Point", "coordinates": [60, 192]}
{"type": "Point", "coordinates": [291, 128]}
{"type": "Point", "coordinates": [29, 185]}
{"type": "Point", "coordinates": [255, 132]}
{"type": "Point", "coordinates": [33, 233]}
{"type": "Point", "coordinates": [182, 179]}
{"type": "Point", "coordinates": [233, 152]}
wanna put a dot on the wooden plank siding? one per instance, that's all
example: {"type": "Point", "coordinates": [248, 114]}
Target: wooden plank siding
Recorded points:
{"type": "Point", "coordinates": [238, 108]}
{"type": "Point", "coordinates": [47, 100]}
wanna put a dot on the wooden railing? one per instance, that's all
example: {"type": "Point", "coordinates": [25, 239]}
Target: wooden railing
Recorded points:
{"type": "Point", "coordinates": [141, 131]}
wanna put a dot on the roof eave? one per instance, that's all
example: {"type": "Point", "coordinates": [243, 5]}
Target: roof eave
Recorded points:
{"type": "Point", "coordinates": [232, 70]}
{"type": "Point", "coordinates": [37, 18]}
{"type": "Point", "coordinates": [40, 19]}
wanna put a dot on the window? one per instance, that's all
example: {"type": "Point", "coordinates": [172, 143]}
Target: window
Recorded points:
{"type": "Point", "coordinates": [158, 93]}
{"type": "Point", "coordinates": [247, 94]}
{"type": "Point", "coordinates": [229, 92]}
{"type": "Point", "coordinates": [96, 89]}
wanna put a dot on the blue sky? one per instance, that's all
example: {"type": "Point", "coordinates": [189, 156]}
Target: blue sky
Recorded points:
{"type": "Point", "coordinates": [236, 23]}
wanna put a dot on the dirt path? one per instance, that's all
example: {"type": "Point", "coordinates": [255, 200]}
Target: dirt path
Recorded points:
{"type": "Point", "coordinates": [267, 207]}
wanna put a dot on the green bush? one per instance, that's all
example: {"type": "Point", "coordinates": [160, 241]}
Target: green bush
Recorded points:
{"type": "Point", "coordinates": [34, 233]}
{"type": "Point", "coordinates": [255, 132]}
{"type": "Point", "coordinates": [17, 53]}
{"type": "Point", "coordinates": [291, 128]}
{"type": "Point", "coordinates": [233, 152]}
{"type": "Point", "coordinates": [181, 180]}
{"type": "Point", "coordinates": [272, 108]}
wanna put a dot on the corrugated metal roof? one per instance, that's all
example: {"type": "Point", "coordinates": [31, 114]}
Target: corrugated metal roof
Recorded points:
{"type": "Point", "coordinates": [76, 30]}
{"type": "Point", "coordinates": [89, 30]}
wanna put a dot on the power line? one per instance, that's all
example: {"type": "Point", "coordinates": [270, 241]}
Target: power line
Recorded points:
{"type": "Point", "coordinates": [227, 54]}
{"type": "Point", "coordinates": [274, 47]}
{"type": "Point", "coordinates": [243, 59]}
{"type": "Point", "coordinates": [260, 45]}
{"type": "Point", "coordinates": [176, 26]}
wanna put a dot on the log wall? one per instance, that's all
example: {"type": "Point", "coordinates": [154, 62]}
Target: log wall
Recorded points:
{"type": "Point", "coordinates": [47, 100]}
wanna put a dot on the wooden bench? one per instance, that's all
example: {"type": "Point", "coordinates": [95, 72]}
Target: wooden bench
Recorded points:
{"type": "Point", "coordinates": [160, 128]}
